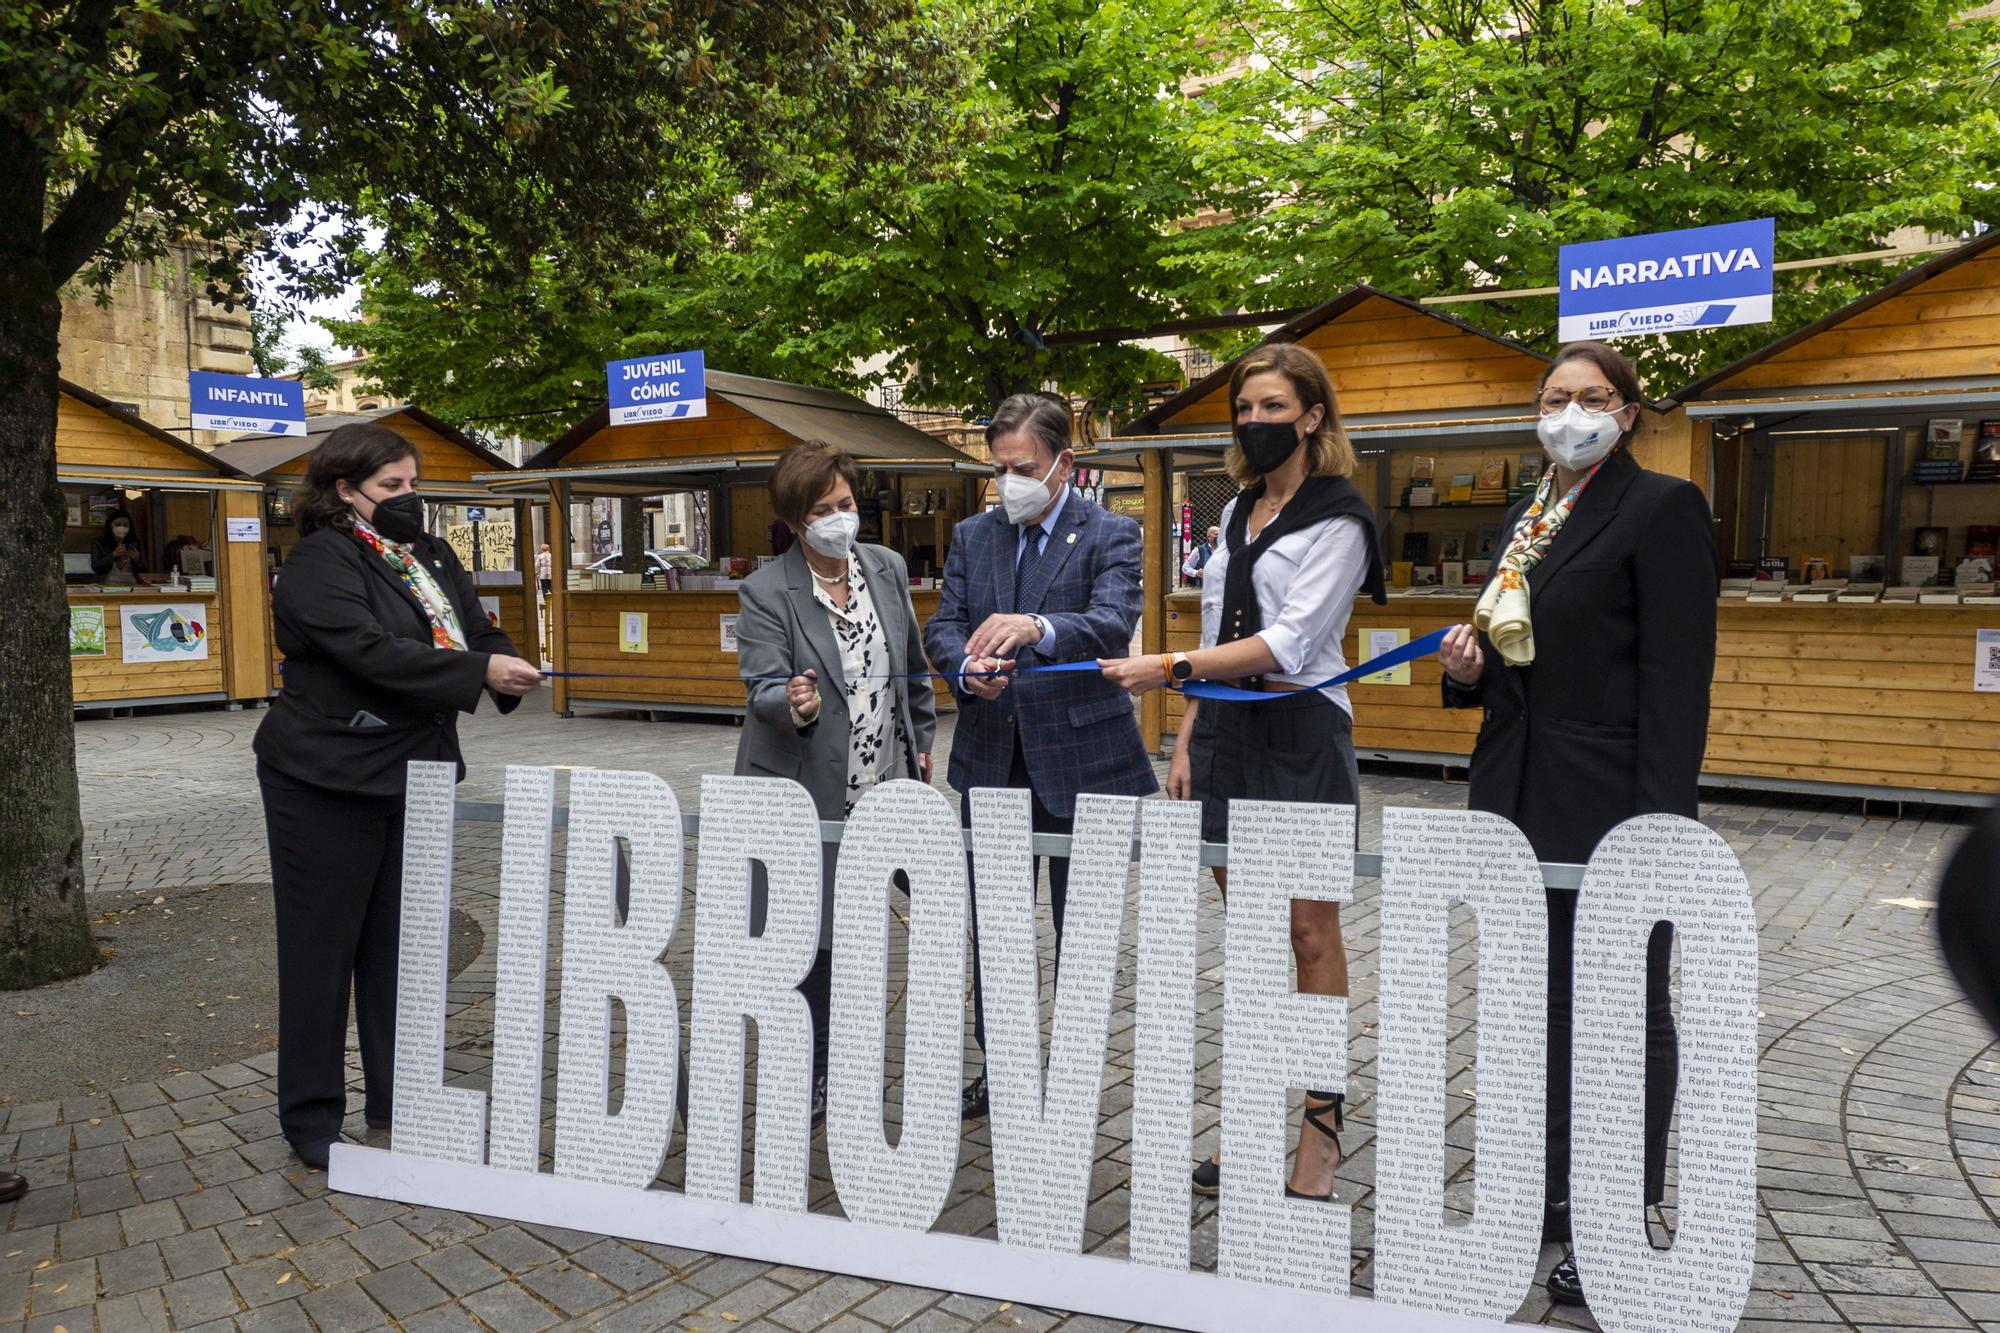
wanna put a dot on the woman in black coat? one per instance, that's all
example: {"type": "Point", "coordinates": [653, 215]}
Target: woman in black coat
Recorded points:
{"type": "Point", "coordinates": [116, 555]}
{"type": "Point", "coordinates": [385, 645]}
{"type": "Point", "coordinates": [1592, 656]}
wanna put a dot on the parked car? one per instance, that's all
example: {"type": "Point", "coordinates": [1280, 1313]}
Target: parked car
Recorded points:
{"type": "Point", "coordinates": [657, 560]}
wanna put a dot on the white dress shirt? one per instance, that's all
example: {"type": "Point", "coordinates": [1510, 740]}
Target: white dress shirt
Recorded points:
{"type": "Point", "coordinates": [1306, 583]}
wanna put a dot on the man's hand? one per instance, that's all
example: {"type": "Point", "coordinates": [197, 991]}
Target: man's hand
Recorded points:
{"type": "Point", "coordinates": [981, 676]}
{"type": "Point", "coordinates": [1002, 634]}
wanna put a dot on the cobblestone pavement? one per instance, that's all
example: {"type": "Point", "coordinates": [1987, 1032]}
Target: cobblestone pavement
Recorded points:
{"type": "Point", "coordinates": [176, 1205]}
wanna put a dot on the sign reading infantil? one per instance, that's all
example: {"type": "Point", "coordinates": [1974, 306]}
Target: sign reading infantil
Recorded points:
{"type": "Point", "coordinates": [1281, 1262]}
{"type": "Point", "coordinates": [246, 403]}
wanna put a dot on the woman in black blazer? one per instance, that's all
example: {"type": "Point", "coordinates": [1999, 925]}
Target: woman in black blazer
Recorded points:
{"type": "Point", "coordinates": [385, 645]}
{"type": "Point", "coordinates": [1607, 716]}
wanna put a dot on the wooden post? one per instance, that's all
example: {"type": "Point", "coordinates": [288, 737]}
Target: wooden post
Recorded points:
{"type": "Point", "coordinates": [1156, 584]}
{"type": "Point", "coordinates": [558, 534]}
{"type": "Point", "coordinates": [245, 608]}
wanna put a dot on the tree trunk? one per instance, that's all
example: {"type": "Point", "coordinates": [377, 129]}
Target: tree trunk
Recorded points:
{"type": "Point", "coordinates": [44, 930]}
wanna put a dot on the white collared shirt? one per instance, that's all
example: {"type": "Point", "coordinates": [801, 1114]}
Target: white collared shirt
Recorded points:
{"type": "Point", "coordinates": [1306, 583]}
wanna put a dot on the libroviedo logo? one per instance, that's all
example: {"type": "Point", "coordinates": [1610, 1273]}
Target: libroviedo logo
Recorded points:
{"type": "Point", "coordinates": [1707, 277]}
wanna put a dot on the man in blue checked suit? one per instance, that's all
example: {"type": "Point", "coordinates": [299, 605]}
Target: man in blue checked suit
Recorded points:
{"type": "Point", "coordinates": [1047, 577]}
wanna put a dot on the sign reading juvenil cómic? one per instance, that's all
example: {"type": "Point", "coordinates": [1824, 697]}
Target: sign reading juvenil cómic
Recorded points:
{"type": "Point", "coordinates": [1700, 278]}
{"type": "Point", "coordinates": [657, 388]}
{"type": "Point", "coordinates": [1281, 1262]}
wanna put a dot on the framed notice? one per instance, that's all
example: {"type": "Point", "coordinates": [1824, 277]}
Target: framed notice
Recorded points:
{"type": "Point", "coordinates": [244, 529]}
{"type": "Point", "coordinates": [1374, 643]}
{"type": "Point", "coordinates": [632, 637]}
{"type": "Point", "coordinates": [86, 631]}
{"type": "Point", "coordinates": [164, 631]}
{"type": "Point", "coordinates": [728, 626]}
{"type": "Point", "coordinates": [1986, 661]}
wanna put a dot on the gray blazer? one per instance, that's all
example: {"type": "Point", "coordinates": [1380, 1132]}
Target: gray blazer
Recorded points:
{"type": "Point", "coordinates": [780, 632]}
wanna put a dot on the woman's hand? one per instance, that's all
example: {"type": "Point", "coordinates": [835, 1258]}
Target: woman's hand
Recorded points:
{"type": "Point", "coordinates": [802, 693]}
{"type": "Point", "coordinates": [1460, 656]}
{"type": "Point", "coordinates": [511, 675]}
{"type": "Point", "coordinates": [1136, 675]}
{"type": "Point", "coordinates": [1180, 775]}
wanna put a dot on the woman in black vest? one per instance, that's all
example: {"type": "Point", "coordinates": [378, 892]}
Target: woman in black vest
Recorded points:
{"type": "Point", "coordinates": [1591, 654]}
{"type": "Point", "coordinates": [1298, 545]}
{"type": "Point", "coordinates": [385, 644]}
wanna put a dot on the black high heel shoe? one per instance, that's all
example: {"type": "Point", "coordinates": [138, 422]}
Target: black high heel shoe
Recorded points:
{"type": "Point", "coordinates": [1316, 1117]}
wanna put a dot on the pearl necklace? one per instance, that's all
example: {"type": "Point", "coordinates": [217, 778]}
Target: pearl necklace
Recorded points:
{"type": "Point", "coordinates": [818, 577]}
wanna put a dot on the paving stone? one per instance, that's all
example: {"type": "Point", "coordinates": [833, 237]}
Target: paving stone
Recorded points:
{"type": "Point", "coordinates": [253, 1238]}
{"type": "Point", "coordinates": [513, 1249]}
{"type": "Point", "coordinates": [343, 1309]}
{"type": "Point", "coordinates": [88, 1236]}
{"type": "Point", "coordinates": [461, 1269]}
{"type": "Point", "coordinates": [141, 1312]}
{"type": "Point", "coordinates": [509, 1309]}
{"type": "Point", "coordinates": [568, 1288]}
{"type": "Point", "coordinates": [620, 1265]}
{"type": "Point", "coordinates": [198, 1299]}
{"type": "Point", "coordinates": [133, 1269]}
{"type": "Point", "coordinates": [823, 1303]}
{"type": "Point", "coordinates": [265, 1282]}
{"type": "Point", "coordinates": [107, 1194]}
{"type": "Point", "coordinates": [385, 1244]}
{"type": "Point", "coordinates": [328, 1261]}
{"type": "Point", "coordinates": [287, 1316]}
{"type": "Point", "coordinates": [656, 1310]}
{"type": "Point", "coordinates": [63, 1287]}
{"type": "Point", "coordinates": [404, 1290]}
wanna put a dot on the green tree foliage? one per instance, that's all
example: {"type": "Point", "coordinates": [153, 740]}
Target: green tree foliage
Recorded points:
{"type": "Point", "coordinates": [1434, 146]}
{"type": "Point", "coordinates": [1049, 196]}
{"type": "Point", "coordinates": [276, 129]}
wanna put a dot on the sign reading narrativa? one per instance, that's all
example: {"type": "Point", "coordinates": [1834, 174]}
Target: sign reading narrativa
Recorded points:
{"type": "Point", "coordinates": [1281, 1262]}
{"type": "Point", "coordinates": [246, 403]}
{"type": "Point", "coordinates": [1701, 278]}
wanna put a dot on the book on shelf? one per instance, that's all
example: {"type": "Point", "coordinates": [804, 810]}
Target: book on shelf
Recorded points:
{"type": "Point", "coordinates": [1452, 547]}
{"type": "Point", "coordinates": [1975, 590]}
{"type": "Point", "coordinates": [1938, 597]}
{"type": "Point", "coordinates": [1737, 583]}
{"type": "Point", "coordinates": [1902, 593]}
{"type": "Point", "coordinates": [1867, 568]}
{"type": "Point", "coordinates": [1417, 547]}
{"type": "Point", "coordinates": [1813, 568]}
{"type": "Point", "coordinates": [1490, 486]}
{"type": "Point", "coordinates": [1461, 488]}
{"type": "Point", "coordinates": [1740, 569]}
{"type": "Point", "coordinates": [1421, 497]}
{"type": "Point", "coordinates": [1423, 470]}
{"type": "Point", "coordinates": [1476, 571]}
{"type": "Point", "coordinates": [1767, 591]}
{"type": "Point", "coordinates": [1453, 573]}
{"type": "Point", "coordinates": [1399, 573]}
{"type": "Point", "coordinates": [1930, 541]}
{"type": "Point", "coordinates": [1423, 576]}
{"type": "Point", "coordinates": [1918, 570]}
{"type": "Point", "coordinates": [1773, 568]}
{"type": "Point", "coordinates": [1942, 437]}
{"type": "Point", "coordinates": [1487, 543]}
{"type": "Point", "coordinates": [1986, 453]}
{"type": "Point", "coordinates": [1938, 474]}
{"type": "Point", "coordinates": [1814, 593]}
{"type": "Point", "coordinates": [1972, 569]}
{"type": "Point", "coordinates": [1528, 473]}
{"type": "Point", "coordinates": [1860, 594]}
{"type": "Point", "coordinates": [1982, 539]}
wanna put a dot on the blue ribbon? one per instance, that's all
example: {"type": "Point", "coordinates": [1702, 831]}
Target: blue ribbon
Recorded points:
{"type": "Point", "coordinates": [1194, 689]}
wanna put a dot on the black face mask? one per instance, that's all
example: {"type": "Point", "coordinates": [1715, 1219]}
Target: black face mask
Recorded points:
{"type": "Point", "coordinates": [1267, 444]}
{"type": "Point", "coordinates": [400, 518]}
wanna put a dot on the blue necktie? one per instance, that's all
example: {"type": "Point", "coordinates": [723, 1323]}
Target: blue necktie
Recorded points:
{"type": "Point", "coordinates": [1032, 540]}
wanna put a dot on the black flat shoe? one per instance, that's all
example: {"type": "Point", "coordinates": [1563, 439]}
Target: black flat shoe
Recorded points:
{"type": "Point", "coordinates": [1291, 1193]}
{"type": "Point", "coordinates": [12, 1186]}
{"type": "Point", "coordinates": [1565, 1287]}
{"type": "Point", "coordinates": [973, 1103]}
{"type": "Point", "coordinates": [819, 1101]}
{"type": "Point", "coordinates": [1208, 1179]}
{"type": "Point", "coordinates": [314, 1154]}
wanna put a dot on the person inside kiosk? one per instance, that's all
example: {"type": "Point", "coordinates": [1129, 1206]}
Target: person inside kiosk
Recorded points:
{"type": "Point", "coordinates": [117, 556]}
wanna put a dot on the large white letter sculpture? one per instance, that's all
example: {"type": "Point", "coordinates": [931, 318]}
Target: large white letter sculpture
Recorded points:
{"type": "Point", "coordinates": [429, 1119]}
{"type": "Point", "coordinates": [602, 961]}
{"type": "Point", "coordinates": [905, 826]}
{"type": "Point", "coordinates": [520, 980]}
{"type": "Point", "coordinates": [1485, 1267]}
{"type": "Point", "coordinates": [1655, 868]}
{"type": "Point", "coordinates": [1163, 1036]}
{"type": "Point", "coordinates": [1043, 1138]}
{"type": "Point", "coordinates": [746, 979]}
{"type": "Point", "coordinates": [1275, 1039]}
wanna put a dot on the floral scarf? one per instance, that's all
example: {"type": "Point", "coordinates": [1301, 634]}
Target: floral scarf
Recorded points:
{"type": "Point", "coordinates": [446, 632]}
{"type": "Point", "coordinates": [1503, 610]}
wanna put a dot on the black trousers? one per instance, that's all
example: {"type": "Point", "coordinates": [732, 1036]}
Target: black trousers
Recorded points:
{"type": "Point", "coordinates": [1044, 821]}
{"type": "Point", "coordinates": [337, 878]}
{"type": "Point", "coordinates": [1663, 1050]}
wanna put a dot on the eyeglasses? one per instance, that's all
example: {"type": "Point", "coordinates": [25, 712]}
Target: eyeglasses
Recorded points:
{"type": "Point", "coordinates": [1593, 398]}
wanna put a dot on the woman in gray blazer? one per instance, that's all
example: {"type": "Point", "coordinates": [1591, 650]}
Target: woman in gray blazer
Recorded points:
{"type": "Point", "coordinates": [825, 641]}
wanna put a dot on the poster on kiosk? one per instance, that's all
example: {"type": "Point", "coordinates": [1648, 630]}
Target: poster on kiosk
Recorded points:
{"type": "Point", "coordinates": [1667, 282]}
{"type": "Point", "coordinates": [657, 388]}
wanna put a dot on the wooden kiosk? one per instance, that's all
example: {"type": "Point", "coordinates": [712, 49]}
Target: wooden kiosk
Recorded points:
{"type": "Point", "coordinates": [680, 627]}
{"type": "Point", "coordinates": [1820, 453]}
{"type": "Point", "coordinates": [144, 641]}
{"type": "Point", "coordinates": [1412, 384]}
{"type": "Point", "coordinates": [495, 547]}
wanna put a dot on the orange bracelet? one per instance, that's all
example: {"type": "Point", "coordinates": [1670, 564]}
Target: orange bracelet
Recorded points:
{"type": "Point", "coordinates": [1167, 669]}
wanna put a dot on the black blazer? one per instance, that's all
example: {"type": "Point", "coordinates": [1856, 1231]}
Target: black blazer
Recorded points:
{"type": "Point", "coordinates": [358, 653]}
{"type": "Point", "coordinates": [1611, 718]}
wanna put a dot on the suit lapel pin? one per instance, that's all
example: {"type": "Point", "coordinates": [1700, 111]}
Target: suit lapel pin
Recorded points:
{"type": "Point", "coordinates": [1072, 539]}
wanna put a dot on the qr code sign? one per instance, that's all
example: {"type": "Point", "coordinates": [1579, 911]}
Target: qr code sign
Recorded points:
{"type": "Point", "coordinates": [1986, 661]}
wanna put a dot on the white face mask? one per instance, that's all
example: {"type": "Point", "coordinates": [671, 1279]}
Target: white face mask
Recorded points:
{"type": "Point", "coordinates": [1024, 497]}
{"type": "Point", "coordinates": [1577, 438]}
{"type": "Point", "coordinates": [833, 534]}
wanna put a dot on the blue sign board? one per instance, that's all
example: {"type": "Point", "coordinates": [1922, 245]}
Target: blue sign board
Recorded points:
{"type": "Point", "coordinates": [245, 403]}
{"type": "Point", "coordinates": [657, 388]}
{"type": "Point", "coordinates": [1701, 278]}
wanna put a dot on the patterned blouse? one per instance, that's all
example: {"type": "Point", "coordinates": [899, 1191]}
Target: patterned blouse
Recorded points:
{"type": "Point", "coordinates": [875, 737]}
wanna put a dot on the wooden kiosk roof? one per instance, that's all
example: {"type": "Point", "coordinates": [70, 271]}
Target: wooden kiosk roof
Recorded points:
{"type": "Point", "coordinates": [99, 441]}
{"type": "Point", "coordinates": [750, 422]}
{"type": "Point", "coordinates": [1928, 339]}
{"type": "Point", "coordinates": [1401, 370]}
{"type": "Point", "coordinates": [449, 459]}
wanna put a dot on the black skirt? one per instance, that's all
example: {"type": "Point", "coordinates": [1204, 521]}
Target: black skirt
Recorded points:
{"type": "Point", "coordinates": [1297, 747]}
